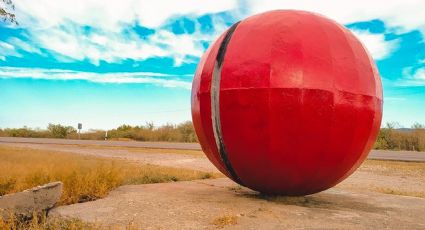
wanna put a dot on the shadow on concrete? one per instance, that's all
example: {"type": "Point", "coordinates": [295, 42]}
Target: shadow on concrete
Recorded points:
{"type": "Point", "coordinates": [322, 200]}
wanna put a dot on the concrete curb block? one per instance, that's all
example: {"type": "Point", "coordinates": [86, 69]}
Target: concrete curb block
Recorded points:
{"type": "Point", "coordinates": [32, 200]}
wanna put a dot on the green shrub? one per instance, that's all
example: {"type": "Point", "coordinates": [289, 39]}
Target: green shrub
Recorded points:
{"type": "Point", "coordinates": [401, 139]}
{"type": "Point", "coordinates": [60, 131]}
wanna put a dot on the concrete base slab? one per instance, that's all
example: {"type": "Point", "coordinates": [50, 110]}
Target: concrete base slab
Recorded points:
{"type": "Point", "coordinates": [208, 204]}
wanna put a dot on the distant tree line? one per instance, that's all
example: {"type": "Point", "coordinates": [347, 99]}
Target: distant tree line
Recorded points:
{"type": "Point", "coordinates": [183, 132]}
{"type": "Point", "coordinates": [395, 138]}
{"type": "Point", "coordinates": [390, 137]}
{"type": "Point", "coordinates": [52, 131]}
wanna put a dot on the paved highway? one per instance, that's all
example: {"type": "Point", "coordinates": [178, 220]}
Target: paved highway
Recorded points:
{"type": "Point", "coordinates": [374, 154]}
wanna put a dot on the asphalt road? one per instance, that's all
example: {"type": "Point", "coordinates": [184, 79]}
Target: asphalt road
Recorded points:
{"type": "Point", "coordinates": [374, 154]}
{"type": "Point", "coordinates": [137, 144]}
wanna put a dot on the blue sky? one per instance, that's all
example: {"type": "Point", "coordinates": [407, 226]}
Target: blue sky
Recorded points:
{"type": "Point", "coordinates": [106, 63]}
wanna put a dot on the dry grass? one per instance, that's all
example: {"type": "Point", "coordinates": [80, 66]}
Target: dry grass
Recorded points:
{"type": "Point", "coordinates": [85, 178]}
{"type": "Point", "coordinates": [195, 153]}
{"type": "Point", "coordinates": [223, 221]}
{"type": "Point", "coordinates": [395, 168]}
{"type": "Point", "coordinates": [40, 222]}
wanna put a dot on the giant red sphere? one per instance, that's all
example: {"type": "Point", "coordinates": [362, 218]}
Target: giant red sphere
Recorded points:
{"type": "Point", "coordinates": [287, 102]}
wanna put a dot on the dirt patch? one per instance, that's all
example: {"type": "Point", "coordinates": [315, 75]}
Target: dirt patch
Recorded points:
{"type": "Point", "coordinates": [389, 177]}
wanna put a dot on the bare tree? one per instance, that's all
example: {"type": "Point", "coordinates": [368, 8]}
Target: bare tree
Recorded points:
{"type": "Point", "coordinates": [5, 11]}
{"type": "Point", "coordinates": [392, 125]}
{"type": "Point", "coordinates": [418, 125]}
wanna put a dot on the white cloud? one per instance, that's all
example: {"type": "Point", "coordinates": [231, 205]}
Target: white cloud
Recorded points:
{"type": "Point", "coordinates": [114, 47]}
{"type": "Point", "coordinates": [404, 14]}
{"type": "Point", "coordinates": [7, 49]}
{"type": "Point", "coordinates": [154, 13]}
{"type": "Point", "coordinates": [160, 79]}
{"type": "Point", "coordinates": [111, 15]}
{"type": "Point", "coordinates": [419, 74]}
{"type": "Point", "coordinates": [14, 46]}
{"type": "Point", "coordinates": [24, 46]}
{"type": "Point", "coordinates": [376, 44]}
{"type": "Point", "coordinates": [106, 46]}
{"type": "Point", "coordinates": [412, 77]}
{"type": "Point", "coordinates": [60, 27]}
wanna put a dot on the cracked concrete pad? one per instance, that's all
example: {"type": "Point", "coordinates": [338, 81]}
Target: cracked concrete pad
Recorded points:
{"type": "Point", "coordinates": [36, 199]}
{"type": "Point", "coordinates": [201, 204]}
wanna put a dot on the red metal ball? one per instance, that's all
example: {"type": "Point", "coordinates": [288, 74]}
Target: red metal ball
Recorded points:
{"type": "Point", "coordinates": [287, 102]}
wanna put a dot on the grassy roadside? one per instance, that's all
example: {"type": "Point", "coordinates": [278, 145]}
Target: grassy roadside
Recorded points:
{"type": "Point", "coordinates": [43, 223]}
{"type": "Point", "coordinates": [194, 153]}
{"type": "Point", "coordinates": [85, 178]}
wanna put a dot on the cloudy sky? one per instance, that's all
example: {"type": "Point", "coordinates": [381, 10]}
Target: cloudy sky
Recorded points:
{"type": "Point", "coordinates": [105, 63]}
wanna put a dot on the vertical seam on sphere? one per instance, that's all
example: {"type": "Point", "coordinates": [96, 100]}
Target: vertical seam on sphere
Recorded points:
{"type": "Point", "coordinates": [215, 103]}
